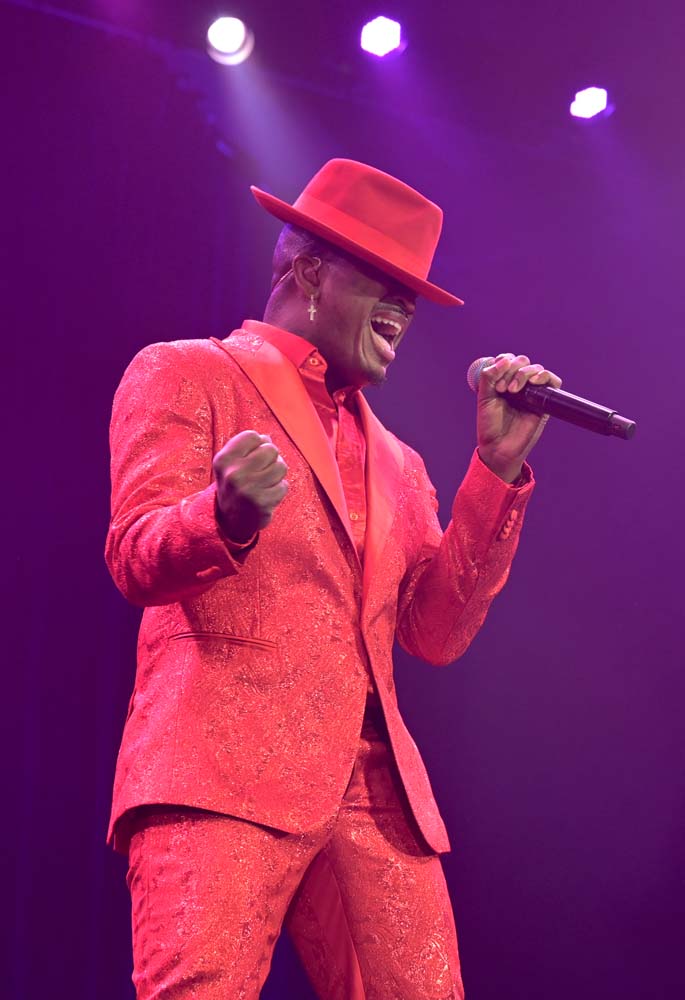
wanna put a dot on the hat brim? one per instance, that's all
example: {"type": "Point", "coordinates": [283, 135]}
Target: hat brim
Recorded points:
{"type": "Point", "coordinates": [286, 213]}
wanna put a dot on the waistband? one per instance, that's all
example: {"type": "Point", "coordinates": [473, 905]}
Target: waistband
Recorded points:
{"type": "Point", "coordinates": [373, 725]}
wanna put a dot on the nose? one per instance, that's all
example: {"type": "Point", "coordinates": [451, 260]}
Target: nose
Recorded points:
{"type": "Point", "coordinates": [403, 297]}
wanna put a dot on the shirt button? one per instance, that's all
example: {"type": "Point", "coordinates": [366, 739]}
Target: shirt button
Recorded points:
{"type": "Point", "coordinates": [354, 516]}
{"type": "Point", "coordinates": [314, 361]}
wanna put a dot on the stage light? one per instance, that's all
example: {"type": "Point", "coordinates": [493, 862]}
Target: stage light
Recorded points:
{"type": "Point", "coordinates": [229, 41]}
{"type": "Point", "coordinates": [590, 102]}
{"type": "Point", "coordinates": [381, 36]}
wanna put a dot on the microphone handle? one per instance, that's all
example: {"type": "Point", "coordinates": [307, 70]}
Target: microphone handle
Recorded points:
{"type": "Point", "coordinates": [572, 409]}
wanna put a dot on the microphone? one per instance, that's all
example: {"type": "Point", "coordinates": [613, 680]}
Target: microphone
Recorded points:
{"type": "Point", "coordinates": [557, 403]}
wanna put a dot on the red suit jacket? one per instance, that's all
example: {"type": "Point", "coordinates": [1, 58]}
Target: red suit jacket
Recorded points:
{"type": "Point", "coordinates": [252, 665]}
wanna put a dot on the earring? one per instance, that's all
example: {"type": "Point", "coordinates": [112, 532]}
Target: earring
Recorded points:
{"type": "Point", "coordinates": [311, 309]}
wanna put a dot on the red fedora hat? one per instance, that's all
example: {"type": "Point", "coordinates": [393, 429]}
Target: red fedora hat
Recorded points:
{"type": "Point", "coordinates": [373, 216]}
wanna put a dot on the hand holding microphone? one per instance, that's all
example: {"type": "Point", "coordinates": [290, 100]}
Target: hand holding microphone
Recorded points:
{"type": "Point", "coordinates": [505, 434]}
{"type": "Point", "coordinates": [515, 400]}
{"type": "Point", "coordinates": [540, 395]}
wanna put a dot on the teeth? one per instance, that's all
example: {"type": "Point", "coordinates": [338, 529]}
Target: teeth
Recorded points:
{"type": "Point", "coordinates": [397, 327]}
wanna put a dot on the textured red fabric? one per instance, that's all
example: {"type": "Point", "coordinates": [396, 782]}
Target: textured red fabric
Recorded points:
{"type": "Point", "coordinates": [366, 901]}
{"type": "Point", "coordinates": [252, 665]}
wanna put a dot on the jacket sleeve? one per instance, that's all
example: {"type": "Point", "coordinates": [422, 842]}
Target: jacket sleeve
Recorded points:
{"type": "Point", "coordinates": [164, 543]}
{"type": "Point", "coordinates": [447, 592]}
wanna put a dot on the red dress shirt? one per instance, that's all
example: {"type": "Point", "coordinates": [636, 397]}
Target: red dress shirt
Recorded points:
{"type": "Point", "coordinates": [339, 416]}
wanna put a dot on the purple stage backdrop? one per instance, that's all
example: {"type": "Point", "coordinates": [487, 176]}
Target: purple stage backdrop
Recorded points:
{"type": "Point", "coordinates": [556, 744]}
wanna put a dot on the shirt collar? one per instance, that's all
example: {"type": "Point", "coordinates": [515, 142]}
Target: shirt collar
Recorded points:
{"type": "Point", "coordinates": [297, 350]}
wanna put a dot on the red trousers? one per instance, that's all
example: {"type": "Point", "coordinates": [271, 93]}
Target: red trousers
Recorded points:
{"type": "Point", "coordinates": [363, 898]}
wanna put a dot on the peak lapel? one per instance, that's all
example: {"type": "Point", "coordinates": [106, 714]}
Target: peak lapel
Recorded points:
{"type": "Point", "coordinates": [384, 466]}
{"type": "Point", "coordinates": [280, 385]}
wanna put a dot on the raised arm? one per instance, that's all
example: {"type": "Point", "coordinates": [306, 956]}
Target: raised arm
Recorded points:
{"type": "Point", "coordinates": [447, 593]}
{"type": "Point", "coordinates": [164, 542]}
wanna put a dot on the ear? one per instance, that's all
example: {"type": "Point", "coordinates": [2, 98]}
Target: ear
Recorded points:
{"type": "Point", "coordinates": [306, 274]}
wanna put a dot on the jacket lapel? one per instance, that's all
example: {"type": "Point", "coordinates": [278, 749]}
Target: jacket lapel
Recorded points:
{"type": "Point", "coordinates": [280, 385]}
{"type": "Point", "coordinates": [384, 468]}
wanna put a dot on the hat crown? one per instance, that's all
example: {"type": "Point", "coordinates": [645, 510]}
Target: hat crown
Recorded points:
{"type": "Point", "coordinates": [354, 194]}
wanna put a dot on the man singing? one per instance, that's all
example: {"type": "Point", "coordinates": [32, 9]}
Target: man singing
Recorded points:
{"type": "Point", "coordinates": [280, 539]}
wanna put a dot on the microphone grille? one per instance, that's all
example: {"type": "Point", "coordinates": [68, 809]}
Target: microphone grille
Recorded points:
{"type": "Point", "coordinates": [474, 372]}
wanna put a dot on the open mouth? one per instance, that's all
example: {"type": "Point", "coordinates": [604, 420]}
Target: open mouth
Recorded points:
{"type": "Point", "coordinates": [383, 334]}
{"type": "Point", "coordinates": [386, 330]}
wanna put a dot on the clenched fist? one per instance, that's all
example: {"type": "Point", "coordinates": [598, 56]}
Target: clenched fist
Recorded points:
{"type": "Point", "coordinates": [250, 476]}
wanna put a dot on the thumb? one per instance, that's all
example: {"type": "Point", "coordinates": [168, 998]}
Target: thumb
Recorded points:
{"type": "Point", "coordinates": [243, 443]}
{"type": "Point", "coordinates": [489, 377]}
